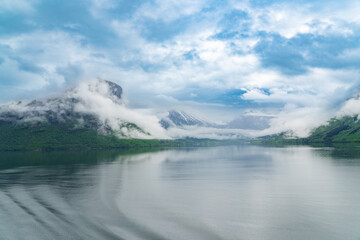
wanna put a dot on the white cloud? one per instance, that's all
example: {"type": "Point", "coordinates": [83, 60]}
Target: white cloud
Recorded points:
{"type": "Point", "coordinates": [319, 86]}
{"type": "Point", "coordinates": [169, 10]}
{"type": "Point", "coordinates": [98, 7]}
{"type": "Point", "coordinates": [146, 68]}
{"type": "Point", "coordinates": [205, 132]}
{"type": "Point", "coordinates": [216, 67]}
{"type": "Point", "coordinates": [24, 6]}
{"type": "Point", "coordinates": [299, 121]}
{"type": "Point", "coordinates": [25, 81]}
{"type": "Point", "coordinates": [351, 107]}
{"type": "Point", "coordinates": [95, 100]}
{"type": "Point", "coordinates": [50, 51]}
{"type": "Point", "coordinates": [290, 19]}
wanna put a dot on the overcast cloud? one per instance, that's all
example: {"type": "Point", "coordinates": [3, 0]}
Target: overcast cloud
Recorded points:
{"type": "Point", "coordinates": [297, 60]}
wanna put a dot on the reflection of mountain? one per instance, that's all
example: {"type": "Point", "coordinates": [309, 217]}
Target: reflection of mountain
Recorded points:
{"type": "Point", "coordinates": [71, 194]}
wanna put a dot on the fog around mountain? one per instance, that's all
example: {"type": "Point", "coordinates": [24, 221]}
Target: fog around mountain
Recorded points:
{"type": "Point", "coordinates": [101, 105]}
{"type": "Point", "coordinates": [98, 101]}
{"type": "Point", "coordinates": [259, 67]}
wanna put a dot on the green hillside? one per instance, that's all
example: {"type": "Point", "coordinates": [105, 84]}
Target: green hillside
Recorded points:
{"type": "Point", "coordinates": [343, 130]}
{"type": "Point", "coordinates": [346, 129]}
{"type": "Point", "coordinates": [15, 137]}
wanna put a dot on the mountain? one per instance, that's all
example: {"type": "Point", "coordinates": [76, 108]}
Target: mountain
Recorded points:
{"type": "Point", "coordinates": [182, 119]}
{"type": "Point", "coordinates": [92, 113]}
{"type": "Point", "coordinates": [180, 124]}
{"type": "Point", "coordinates": [344, 129]}
{"type": "Point", "coordinates": [63, 108]}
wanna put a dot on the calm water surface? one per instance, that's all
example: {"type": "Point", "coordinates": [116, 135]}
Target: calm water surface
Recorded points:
{"type": "Point", "coordinates": [231, 192]}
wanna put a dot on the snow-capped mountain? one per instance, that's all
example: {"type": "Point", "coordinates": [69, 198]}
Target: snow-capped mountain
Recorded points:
{"type": "Point", "coordinates": [180, 124]}
{"type": "Point", "coordinates": [96, 104]}
{"type": "Point", "coordinates": [100, 105]}
{"type": "Point", "coordinates": [60, 108]}
{"type": "Point", "coordinates": [181, 119]}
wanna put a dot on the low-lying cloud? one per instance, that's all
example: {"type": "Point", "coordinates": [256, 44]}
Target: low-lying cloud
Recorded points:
{"type": "Point", "coordinates": [297, 62]}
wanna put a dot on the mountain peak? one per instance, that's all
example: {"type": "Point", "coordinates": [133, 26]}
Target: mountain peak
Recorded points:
{"type": "Point", "coordinates": [74, 105]}
{"type": "Point", "coordinates": [114, 88]}
{"type": "Point", "coordinates": [98, 86]}
{"type": "Point", "coordinates": [96, 105]}
{"type": "Point", "coordinates": [180, 119]}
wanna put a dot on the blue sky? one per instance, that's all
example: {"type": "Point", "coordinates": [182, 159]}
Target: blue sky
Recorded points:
{"type": "Point", "coordinates": [239, 54]}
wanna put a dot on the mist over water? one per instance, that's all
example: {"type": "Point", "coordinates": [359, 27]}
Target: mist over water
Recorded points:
{"type": "Point", "coordinates": [230, 192]}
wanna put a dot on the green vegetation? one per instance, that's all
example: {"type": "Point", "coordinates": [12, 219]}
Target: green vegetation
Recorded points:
{"type": "Point", "coordinates": [278, 139]}
{"type": "Point", "coordinates": [131, 127]}
{"type": "Point", "coordinates": [344, 130]}
{"type": "Point", "coordinates": [40, 137]}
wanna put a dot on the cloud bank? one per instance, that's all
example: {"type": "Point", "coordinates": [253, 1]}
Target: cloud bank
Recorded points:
{"type": "Point", "coordinates": [295, 60]}
{"type": "Point", "coordinates": [94, 103]}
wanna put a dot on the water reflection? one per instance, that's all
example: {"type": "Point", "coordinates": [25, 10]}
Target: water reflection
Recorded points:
{"type": "Point", "coordinates": [232, 192]}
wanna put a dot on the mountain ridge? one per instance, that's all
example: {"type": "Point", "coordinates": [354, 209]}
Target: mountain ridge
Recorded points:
{"type": "Point", "coordinates": [344, 129]}
{"type": "Point", "coordinates": [97, 105]}
{"type": "Point", "coordinates": [96, 111]}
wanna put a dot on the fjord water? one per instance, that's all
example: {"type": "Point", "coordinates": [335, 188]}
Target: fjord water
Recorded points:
{"type": "Point", "coordinates": [227, 192]}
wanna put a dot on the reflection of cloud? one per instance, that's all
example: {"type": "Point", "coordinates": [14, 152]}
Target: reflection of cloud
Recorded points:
{"type": "Point", "coordinates": [23, 6]}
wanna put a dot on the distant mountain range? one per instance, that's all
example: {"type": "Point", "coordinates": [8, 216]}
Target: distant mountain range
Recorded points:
{"type": "Point", "coordinates": [90, 115]}
{"type": "Point", "coordinates": [183, 119]}
{"type": "Point", "coordinates": [98, 105]}
{"type": "Point", "coordinates": [94, 114]}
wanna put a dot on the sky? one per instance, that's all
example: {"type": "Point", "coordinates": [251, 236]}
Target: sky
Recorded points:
{"type": "Point", "coordinates": [291, 59]}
